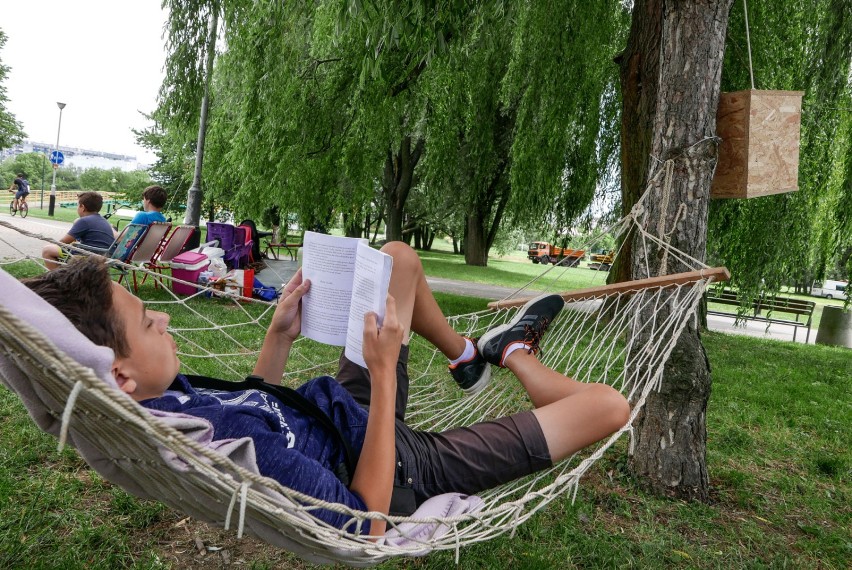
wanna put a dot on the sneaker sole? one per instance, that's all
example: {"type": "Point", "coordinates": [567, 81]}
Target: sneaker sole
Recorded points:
{"type": "Point", "coordinates": [480, 384]}
{"type": "Point", "coordinates": [497, 331]}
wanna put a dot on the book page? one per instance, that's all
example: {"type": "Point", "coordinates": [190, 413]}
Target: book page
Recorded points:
{"type": "Point", "coordinates": [369, 293]}
{"type": "Point", "coordinates": [329, 263]}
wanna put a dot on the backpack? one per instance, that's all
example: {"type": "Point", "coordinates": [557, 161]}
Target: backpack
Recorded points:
{"type": "Point", "coordinates": [24, 186]}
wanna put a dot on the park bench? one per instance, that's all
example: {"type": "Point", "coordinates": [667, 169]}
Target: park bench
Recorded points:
{"type": "Point", "coordinates": [275, 249]}
{"type": "Point", "coordinates": [781, 310]}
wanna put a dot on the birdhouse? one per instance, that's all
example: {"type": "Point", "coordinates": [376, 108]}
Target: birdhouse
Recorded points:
{"type": "Point", "coordinates": [759, 154]}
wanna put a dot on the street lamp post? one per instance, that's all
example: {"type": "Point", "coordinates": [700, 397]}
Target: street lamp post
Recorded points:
{"type": "Point", "coordinates": [41, 200]}
{"type": "Point", "coordinates": [52, 204]}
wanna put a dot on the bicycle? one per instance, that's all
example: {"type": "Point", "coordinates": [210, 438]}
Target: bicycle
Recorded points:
{"type": "Point", "coordinates": [14, 208]}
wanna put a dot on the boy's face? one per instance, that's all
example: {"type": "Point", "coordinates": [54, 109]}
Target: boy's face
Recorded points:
{"type": "Point", "coordinates": [152, 364]}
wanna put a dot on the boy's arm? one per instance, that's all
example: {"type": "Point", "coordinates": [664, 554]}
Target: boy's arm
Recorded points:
{"type": "Point", "coordinates": [373, 478]}
{"type": "Point", "coordinates": [283, 331]}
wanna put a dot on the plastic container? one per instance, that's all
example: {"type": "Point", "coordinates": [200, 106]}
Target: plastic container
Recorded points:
{"type": "Point", "coordinates": [188, 266]}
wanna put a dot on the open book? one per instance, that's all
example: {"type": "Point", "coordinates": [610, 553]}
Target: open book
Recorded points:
{"type": "Point", "coordinates": [348, 279]}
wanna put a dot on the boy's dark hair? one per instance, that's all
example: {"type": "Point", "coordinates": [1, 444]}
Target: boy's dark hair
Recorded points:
{"type": "Point", "coordinates": [22, 175]}
{"type": "Point", "coordinates": [82, 291]}
{"type": "Point", "coordinates": [156, 195]}
{"type": "Point", "coordinates": [92, 201]}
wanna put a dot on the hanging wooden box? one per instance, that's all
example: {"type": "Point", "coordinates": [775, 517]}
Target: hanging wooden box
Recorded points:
{"type": "Point", "coordinates": [759, 154]}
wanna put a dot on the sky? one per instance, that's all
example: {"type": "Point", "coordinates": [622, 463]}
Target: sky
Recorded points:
{"type": "Point", "coordinates": [102, 58]}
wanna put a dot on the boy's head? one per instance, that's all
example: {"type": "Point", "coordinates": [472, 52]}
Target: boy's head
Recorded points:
{"type": "Point", "coordinates": [146, 360]}
{"type": "Point", "coordinates": [92, 202]}
{"type": "Point", "coordinates": [21, 175]}
{"type": "Point", "coordinates": [156, 196]}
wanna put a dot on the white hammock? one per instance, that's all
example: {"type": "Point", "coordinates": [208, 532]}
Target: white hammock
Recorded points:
{"type": "Point", "coordinates": [621, 335]}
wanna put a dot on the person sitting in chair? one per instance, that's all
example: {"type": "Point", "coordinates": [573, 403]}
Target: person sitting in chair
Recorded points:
{"type": "Point", "coordinates": [397, 467]}
{"type": "Point", "coordinates": [153, 201]}
{"type": "Point", "coordinates": [89, 230]}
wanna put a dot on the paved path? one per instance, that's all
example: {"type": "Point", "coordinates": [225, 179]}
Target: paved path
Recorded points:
{"type": "Point", "coordinates": [16, 245]}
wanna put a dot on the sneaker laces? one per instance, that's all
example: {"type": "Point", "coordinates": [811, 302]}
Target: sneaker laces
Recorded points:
{"type": "Point", "coordinates": [533, 334]}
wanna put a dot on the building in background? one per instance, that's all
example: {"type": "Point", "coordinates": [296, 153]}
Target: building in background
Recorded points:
{"type": "Point", "coordinates": [78, 157]}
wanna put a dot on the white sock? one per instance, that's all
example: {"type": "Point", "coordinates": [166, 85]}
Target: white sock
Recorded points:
{"type": "Point", "coordinates": [512, 348]}
{"type": "Point", "coordinates": [467, 354]}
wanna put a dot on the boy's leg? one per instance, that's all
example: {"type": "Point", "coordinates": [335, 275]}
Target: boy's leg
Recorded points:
{"type": "Point", "coordinates": [50, 254]}
{"type": "Point", "coordinates": [568, 416]}
{"type": "Point", "coordinates": [417, 311]}
{"type": "Point", "coordinates": [416, 308]}
{"type": "Point", "coordinates": [414, 299]}
{"type": "Point", "coordinates": [571, 414]}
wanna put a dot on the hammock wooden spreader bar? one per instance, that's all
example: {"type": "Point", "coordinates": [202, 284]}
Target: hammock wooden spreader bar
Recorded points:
{"type": "Point", "coordinates": [711, 273]}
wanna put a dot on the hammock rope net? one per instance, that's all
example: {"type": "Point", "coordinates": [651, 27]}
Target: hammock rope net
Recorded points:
{"type": "Point", "coordinates": [621, 338]}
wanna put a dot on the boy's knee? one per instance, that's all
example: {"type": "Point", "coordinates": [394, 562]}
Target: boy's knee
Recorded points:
{"type": "Point", "coordinates": [50, 251]}
{"type": "Point", "coordinates": [402, 253]}
{"type": "Point", "coordinates": [614, 407]}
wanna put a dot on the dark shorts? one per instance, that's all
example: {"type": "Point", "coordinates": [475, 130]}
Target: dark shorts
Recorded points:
{"type": "Point", "coordinates": [21, 194]}
{"type": "Point", "coordinates": [464, 460]}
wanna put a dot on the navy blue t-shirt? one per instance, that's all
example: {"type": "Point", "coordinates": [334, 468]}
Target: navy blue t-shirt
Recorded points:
{"type": "Point", "coordinates": [291, 448]}
{"type": "Point", "coordinates": [93, 230]}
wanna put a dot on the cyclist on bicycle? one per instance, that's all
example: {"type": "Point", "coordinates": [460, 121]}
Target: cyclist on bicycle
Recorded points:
{"type": "Point", "coordinates": [23, 190]}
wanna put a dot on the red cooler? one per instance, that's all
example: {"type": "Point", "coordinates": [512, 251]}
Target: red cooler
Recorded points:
{"type": "Point", "coordinates": [187, 266]}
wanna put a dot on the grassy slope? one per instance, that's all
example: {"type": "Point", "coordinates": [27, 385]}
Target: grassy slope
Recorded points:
{"type": "Point", "coordinates": [778, 452]}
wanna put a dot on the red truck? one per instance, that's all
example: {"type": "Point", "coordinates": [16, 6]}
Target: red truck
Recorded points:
{"type": "Point", "coordinates": [543, 252]}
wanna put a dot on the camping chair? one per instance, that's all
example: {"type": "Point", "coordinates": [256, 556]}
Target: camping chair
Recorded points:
{"type": "Point", "coordinates": [225, 234]}
{"type": "Point", "coordinates": [233, 240]}
{"type": "Point", "coordinates": [121, 248]}
{"type": "Point", "coordinates": [247, 249]}
{"type": "Point", "coordinates": [172, 246]}
{"type": "Point", "coordinates": [127, 242]}
{"type": "Point", "coordinates": [147, 248]}
{"type": "Point", "coordinates": [256, 254]}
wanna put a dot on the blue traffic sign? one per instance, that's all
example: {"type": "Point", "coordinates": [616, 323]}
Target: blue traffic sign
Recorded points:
{"type": "Point", "coordinates": [56, 157]}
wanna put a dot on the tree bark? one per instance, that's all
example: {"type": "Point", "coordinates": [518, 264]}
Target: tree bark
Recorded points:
{"type": "Point", "coordinates": [670, 77]}
{"type": "Point", "coordinates": [397, 181]}
{"type": "Point", "coordinates": [486, 213]}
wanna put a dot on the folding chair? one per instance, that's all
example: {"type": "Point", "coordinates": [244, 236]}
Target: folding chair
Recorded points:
{"type": "Point", "coordinates": [147, 248]}
{"type": "Point", "coordinates": [172, 246]}
{"type": "Point", "coordinates": [244, 253]}
{"type": "Point", "coordinates": [126, 242]}
{"type": "Point", "coordinates": [232, 240]}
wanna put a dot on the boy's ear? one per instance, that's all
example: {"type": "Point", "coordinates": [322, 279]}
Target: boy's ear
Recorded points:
{"type": "Point", "coordinates": [125, 383]}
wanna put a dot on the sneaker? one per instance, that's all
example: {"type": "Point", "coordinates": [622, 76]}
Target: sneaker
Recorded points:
{"type": "Point", "coordinates": [472, 375]}
{"type": "Point", "coordinates": [527, 327]}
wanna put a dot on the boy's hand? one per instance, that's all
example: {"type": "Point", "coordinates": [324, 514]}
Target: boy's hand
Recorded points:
{"type": "Point", "coordinates": [381, 346]}
{"type": "Point", "coordinates": [287, 319]}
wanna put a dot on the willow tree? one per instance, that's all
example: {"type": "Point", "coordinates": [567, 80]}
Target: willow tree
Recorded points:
{"type": "Point", "coordinates": [520, 123]}
{"type": "Point", "coordinates": [792, 238]}
{"type": "Point", "coordinates": [175, 136]}
{"type": "Point", "coordinates": [11, 130]}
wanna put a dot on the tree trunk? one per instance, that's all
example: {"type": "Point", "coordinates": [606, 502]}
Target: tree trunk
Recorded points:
{"type": "Point", "coordinates": [397, 181]}
{"type": "Point", "coordinates": [670, 76]}
{"type": "Point", "coordinates": [486, 213]}
{"type": "Point", "coordinates": [475, 246]}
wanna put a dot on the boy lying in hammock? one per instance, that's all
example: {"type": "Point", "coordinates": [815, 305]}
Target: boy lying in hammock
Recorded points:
{"type": "Point", "coordinates": [366, 406]}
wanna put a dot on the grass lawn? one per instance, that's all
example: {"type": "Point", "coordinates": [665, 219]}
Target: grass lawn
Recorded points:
{"type": "Point", "coordinates": [778, 454]}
